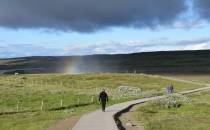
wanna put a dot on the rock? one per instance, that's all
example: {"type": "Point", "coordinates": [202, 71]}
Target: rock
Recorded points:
{"type": "Point", "coordinates": [69, 110]}
{"type": "Point", "coordinates": [133, 125]}
{"type": "Point", "coordinates": [128, 124]}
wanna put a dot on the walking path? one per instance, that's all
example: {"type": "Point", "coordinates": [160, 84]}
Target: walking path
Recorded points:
{"type": "Point", "coordinates": [99, 120]}
{"type": "Point", "coordinates": [175, 79]}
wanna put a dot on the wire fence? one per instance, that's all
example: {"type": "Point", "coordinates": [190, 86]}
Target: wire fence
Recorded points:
{"type": "Point", "coordinates": [58, 99]}
{"type": "Point", "coordinates": [47, 105]}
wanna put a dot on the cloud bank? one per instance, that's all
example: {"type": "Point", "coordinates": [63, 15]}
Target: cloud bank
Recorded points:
{"type": "Point", "coordinates": [139, 46]}
{"type": "Point", "coordinates": [23, 50]}
{"type": "Point", "coordinates": [13, 50]}
{"type": "Point", "coordinates": [89, 15]}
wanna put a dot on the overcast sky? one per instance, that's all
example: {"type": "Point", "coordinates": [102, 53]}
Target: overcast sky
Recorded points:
{"type": "Point", "coordinates": [83, 27]}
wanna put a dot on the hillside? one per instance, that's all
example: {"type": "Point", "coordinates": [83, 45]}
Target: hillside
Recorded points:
{"type": "Point", "coordinates": [147, 62]}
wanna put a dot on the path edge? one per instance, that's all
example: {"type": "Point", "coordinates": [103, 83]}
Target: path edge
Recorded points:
{"type": "Point", "coordinates": [119, 113]}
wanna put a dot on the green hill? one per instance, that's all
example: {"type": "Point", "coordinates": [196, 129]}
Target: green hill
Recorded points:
{"type": "Point", "coordinates": [147, 62]}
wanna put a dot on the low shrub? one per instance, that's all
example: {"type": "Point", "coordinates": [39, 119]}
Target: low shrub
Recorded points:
{"type": "Point", "coordinates": [173, 101]}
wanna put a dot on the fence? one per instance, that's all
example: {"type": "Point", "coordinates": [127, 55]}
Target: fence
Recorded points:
{"type": "Point", "coordinates": [45, 105]}
{"type": "Point", "coordinates": [57, 99]}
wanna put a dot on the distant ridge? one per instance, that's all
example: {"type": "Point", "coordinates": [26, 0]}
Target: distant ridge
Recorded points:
{"type": "Point", "coordinates": [144, 62]}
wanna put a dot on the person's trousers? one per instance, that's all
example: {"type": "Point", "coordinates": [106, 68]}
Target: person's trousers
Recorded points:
{"type": "Point", "coordinates": [103, 105]}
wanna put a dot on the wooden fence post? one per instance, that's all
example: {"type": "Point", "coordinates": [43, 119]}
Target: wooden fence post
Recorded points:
{"type": "Point", "coordinates": [92, 99]}
{"type": "Point", "coordinates": [46, 84]}
{"type": "Point", "coordinates": [78, 101]}
{"type": "Point", "coordinates": [17, 107]}
{"type": "Point", "coordinates": [42, 105]}
{"type": "Point", "coordinates": [96, 91]}
{"type": "Point", "coordinates": [61, 103]}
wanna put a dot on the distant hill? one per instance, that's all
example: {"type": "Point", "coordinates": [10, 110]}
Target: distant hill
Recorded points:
{"type": "Point", "coordinates": [146, 62]}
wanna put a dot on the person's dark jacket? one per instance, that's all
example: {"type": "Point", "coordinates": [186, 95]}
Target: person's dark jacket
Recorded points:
{"type": "Point", "coordinates": [103, 97]}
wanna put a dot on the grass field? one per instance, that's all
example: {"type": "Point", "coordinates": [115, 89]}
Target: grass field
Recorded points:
{"type": "Point", "coordinates": [201, 78]}
{"type": "Point", "coordinates": [194, 116]}
{"type": "Point", "coordinates": [63, 96]}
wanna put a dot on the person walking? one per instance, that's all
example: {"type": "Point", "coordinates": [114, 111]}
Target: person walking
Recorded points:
{"type": "Point", "coordinates": [172, 88]}
{"type": "Point", "coordinates": [103, 98]}
{"type": "Point", "coordinates": [167, 89]}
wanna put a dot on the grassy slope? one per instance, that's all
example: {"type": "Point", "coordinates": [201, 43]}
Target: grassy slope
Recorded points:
{"type": "Point", "coordinates": [192, 117]}
{"type": "Point", "coordinates": [30, 90]}
{"type": "Point", "coordinates": [149, 62]}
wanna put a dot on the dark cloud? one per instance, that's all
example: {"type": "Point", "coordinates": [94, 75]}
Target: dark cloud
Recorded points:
{"type": "Point", "coordinates": [88, 15]}
{"type": "Point", "coordinates": [202, 7]}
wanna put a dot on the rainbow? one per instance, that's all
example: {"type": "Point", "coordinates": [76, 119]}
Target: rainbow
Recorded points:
{"type": "Point", "coordinates": [73, 66]}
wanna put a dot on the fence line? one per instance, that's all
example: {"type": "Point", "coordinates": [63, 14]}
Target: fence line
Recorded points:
{"type": "Point", "coordinates": [44, 106]}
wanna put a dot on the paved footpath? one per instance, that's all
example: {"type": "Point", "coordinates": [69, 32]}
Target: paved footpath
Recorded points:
{"type": "Point", "coordinates": [99, 120]}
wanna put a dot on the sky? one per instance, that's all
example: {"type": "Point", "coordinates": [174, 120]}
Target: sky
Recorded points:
{"type": "Point", "coordinates": [78, 27]}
